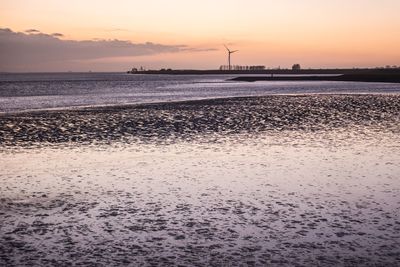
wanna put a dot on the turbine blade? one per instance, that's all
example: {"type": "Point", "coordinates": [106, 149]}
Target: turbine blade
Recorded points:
{"type": "Point", "coordinates": [234, 51]}
{"type": "Point", "coordinates": [227, 48]}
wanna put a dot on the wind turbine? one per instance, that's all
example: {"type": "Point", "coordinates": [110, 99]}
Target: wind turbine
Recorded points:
{"type": "Point", "coordinates": [229, 55]}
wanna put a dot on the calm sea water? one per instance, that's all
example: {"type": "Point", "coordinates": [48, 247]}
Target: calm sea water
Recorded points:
{"type": "Point", "coordinates": [19, 92]}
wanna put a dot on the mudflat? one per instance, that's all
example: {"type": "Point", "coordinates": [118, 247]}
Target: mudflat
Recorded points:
{"type": "Point", "coordinates": [258, 181]}
{"type": "Point", "coordinates": [188, 119]}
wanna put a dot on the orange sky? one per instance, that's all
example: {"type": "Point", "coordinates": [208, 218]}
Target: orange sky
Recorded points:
{"type": "Point", "coordinates": [314, 33]}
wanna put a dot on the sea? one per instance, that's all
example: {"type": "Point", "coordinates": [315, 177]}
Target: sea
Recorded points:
{"type": "Point", "coordinates": [37, 91]}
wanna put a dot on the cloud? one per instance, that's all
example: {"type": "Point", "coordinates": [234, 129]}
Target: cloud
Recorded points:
{"type": "Point", "coordinates": [23, 51]}
{"type": "Point", "coordinates": [116, 30]}
{"type": "Point", "coordinates": [193, 49]}
{"type": "Point", "coordinates": [56, 34]}
{"type": "Point", "coordinates": [32, 31]}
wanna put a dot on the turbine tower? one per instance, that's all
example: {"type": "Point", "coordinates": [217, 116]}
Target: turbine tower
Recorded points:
{"type": "Point", "coordinates": [229, 55]}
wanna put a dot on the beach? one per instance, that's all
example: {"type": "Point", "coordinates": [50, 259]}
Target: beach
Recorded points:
{"type": "Point", "coordinates": [279, 180]}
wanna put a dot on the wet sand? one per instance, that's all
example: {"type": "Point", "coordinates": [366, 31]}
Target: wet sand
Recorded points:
{"type": "Point", "coordinates": [165, 122]}
{"type": "Point", "coordinates": [277, 181]}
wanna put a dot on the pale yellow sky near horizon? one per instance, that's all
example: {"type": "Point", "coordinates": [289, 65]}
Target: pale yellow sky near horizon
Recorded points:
{"type": "Point", "coordinates": [358, 33]}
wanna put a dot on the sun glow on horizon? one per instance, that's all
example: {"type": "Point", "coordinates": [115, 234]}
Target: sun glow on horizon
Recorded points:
{"type": "Point", "coordinates": [359, 33]}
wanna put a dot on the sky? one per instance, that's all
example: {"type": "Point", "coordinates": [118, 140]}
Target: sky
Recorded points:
{"type": "Point", "coordinates": [76, 35]}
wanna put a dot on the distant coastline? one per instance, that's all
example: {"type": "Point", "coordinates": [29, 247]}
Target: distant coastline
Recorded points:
{"type": "Point", "coordinates": [349, 75]}
{"type": "Point", "coordinates": [391, 71]}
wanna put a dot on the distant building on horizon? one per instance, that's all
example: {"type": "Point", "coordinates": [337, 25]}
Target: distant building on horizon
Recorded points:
{"type": "Point", "coordinates": [296, 67]}
{"type": "Point", "coordinates": [239, 67]}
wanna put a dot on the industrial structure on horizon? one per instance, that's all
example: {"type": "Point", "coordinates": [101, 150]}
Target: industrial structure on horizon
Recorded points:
{"type": "Point", "coordinates": [239, 67]}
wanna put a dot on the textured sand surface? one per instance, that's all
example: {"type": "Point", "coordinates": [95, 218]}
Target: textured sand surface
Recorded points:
{"type": "Point", "coordinates": [199, 119]}
{"type": "Point", "coordinates": [268, 181]}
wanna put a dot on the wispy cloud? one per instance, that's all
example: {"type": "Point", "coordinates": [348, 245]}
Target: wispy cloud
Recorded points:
{"type": "Point", "coordinates": [57, 34]}
{"type": "Point", "coordinates": [116, 30]}
{"type": "Point", "coordinates": [194, 49]}
{"type": "Point", "coordinates": [32, 31]}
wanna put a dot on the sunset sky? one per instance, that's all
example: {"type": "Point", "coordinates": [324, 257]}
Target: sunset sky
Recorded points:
{"type": "Point", "coordinates": [52, 35]}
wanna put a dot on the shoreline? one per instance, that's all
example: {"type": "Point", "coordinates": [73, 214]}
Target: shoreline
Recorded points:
{"type": "Point", "coordinates": [371, 78]}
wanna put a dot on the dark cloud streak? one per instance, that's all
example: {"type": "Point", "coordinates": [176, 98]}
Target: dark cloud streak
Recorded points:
{"type": "Point", "coordinates": [32, 31]}
{"type": "Point", "coordinates": [116, 30]}
{"type": "Point", "coordinates": [57, 34]}
{"type": "Point", "coordinates": [191, 49]}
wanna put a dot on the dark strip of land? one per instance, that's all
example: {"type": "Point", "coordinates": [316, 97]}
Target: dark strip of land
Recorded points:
{"type": "Point", "coordinates": [374, 77]}
{"type": "Point", "coordinates": [271, 71]}
{"type": "Point", "coordinates": [349, 75]}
